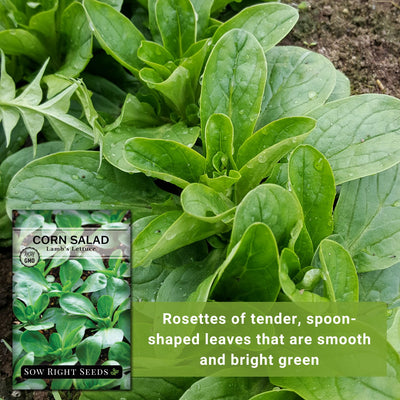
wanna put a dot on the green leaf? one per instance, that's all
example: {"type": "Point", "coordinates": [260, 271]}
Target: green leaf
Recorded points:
{"type": "Point", "coordinates": [28, 291]}
{"type": "Point", "coordinates": [367, 218]}
{"type": "Point", "coordinates": [17, 140]}
{"type": "Point", "coordinates": [168, 232]}
{"type": "Point", "coordinates": [165, 159]}
{"type": "Point", "coordinates": [109, 336]}
{"type": "Point", "coordinates": [93, 283]}
{"type": "Point", "coordinates": [26, 274]}
{"type": "Point", "coordinates": [134, 113]}
{"type": "Point", "coordinates": [157, 57]}
{"type": "Point", "coordinates": [19, 310]}
{"type": "Point", "coordinates": [348, 388]}
{"type": "Point", "coordinates": [146, 388]}
{"type": "Point", "coordinates": [269, 23]}
{"type": "Point", "coordinates": [225, 388]}
{"type": "Point", "coordinates": [311, 179]}
{"type": "Point", "coordinates": [27, 359]}
{"type": "Point", "coordinates": [219, 139]}
{"type": "Point", "coordinates": [41, 304]}
{"type": "Point", "coordinates": [65, 325]}
{"type": "Point", "coordinates": [177, 24]}
{"type": "Point", "coordinates": [359, 135]}
{"type": "Point", "coordinates": [203, 11]}
{"type": "Point", "coordinates": [205, 203]}
{"type": "Point", "coordinates": [222, 183]}
{"type": "Point", "coordinates": [272, 134]}
{"type": "Point", "coordinates": [115, 33]}
{"type": "Point", "coordinates": [124, 323]}
{"type": "Point", "coordinates": [146, 281]}
{"type": "Point", "coordinates": [89, 350]}
{"type": "Point", "coordinates": [35, 342]}
{"type": "Point", "coordinates": [393, 333]}
{"type": "Point", "coordinates": [43, 25]}
{"type": "Point", "coordinates": [233, 83]}
{"type": "Point", "coordinates": [275, 142]}
{"type": "Point", "coordinates": [251, 270]}
{"type": "Point", "coordinates": [298, 81]}
{"type": "Point", "coordinates": [280, 394]}
{"type": "Point", "coordinates": [76, 304]}
{"type": "Point", "coordinates": [70, 272]}
{"type": "Point", "coordinates": [66, 219]}
{"type": "Point", "coordinates": [177, 88]}
{"type": "Point", "coordinates": [72, 179]}
{"type": "Point", "coordinates": [18, 42]}
{"type": "Point", "coordinates": [27, 105]}
{"type": "Point", "coordinates": [120, 352]}
{"type": "Point", "coordinates": [342, 87]}
{"type": "Point", "coordinates": [105, 306]}
{"type": "Point", "coordinates": [73, 338]}
{"type": "Point", "coordinates": [12, 164]}
{"type": "Point", "coordinates": [191, 281]}
{"type": "Point", "coordinates": [55, 341]}
{"type": "Point", "coordinates": [7, 85]}
{"type": "Point", "coordinates": [289, 264]}
{"type": "Point", "coordinates": [338, 272]}
{"type": "Point", "coordinates": [31, 384]}
{"type": "Point", "coordinates": [274, 206]}
{"type": "Point", "coordinates": [75, 40]}
{"type": "Point", "coordinates": [117, 289]}
{"type": "Point", "coordinates": [114, 141]}
{"type": "Point", "coordinates": [382, 285]}
{"type": "Point", "coordinates": [304, 248]}
{"type": "Point", "coordinates": [193, 61]}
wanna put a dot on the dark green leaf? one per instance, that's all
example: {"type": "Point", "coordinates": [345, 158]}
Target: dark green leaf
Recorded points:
{"type": "Point", "coordinates": [251, 270]}
{"type": "Point", "coordinates": [115, 33]}
{"type": "Point", "coordinates": [72, 179]}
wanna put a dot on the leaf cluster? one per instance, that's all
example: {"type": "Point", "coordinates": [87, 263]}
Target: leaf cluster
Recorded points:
{"type": "Point", "coordinates": [251, 172]}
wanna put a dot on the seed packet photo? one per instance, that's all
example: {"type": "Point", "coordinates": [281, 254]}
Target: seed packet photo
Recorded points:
{"type": "Point", "coordinates": [71, 300]}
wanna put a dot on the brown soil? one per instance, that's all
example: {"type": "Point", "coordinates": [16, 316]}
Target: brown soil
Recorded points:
{"type": "Point", "coordinates": [360, 37]}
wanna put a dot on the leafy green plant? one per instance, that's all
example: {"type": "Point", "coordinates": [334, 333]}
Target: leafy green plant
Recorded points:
{"type": "Point", "coordinates": [251, 173]}
{"type": "Point", "coordinates": [66, 313]}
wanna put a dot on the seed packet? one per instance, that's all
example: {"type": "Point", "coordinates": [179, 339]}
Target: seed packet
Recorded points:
{"type": "Point", "coordinates": [71, 300]}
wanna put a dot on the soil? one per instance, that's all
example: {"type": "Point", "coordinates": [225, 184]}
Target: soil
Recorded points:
{"type": "Point", "coordinates": [360, 37]}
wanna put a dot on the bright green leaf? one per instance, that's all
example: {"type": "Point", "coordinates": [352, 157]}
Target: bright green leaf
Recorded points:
{"type": "Point", "coordinates": [165, 159]}
{"type": "Point", "coordinates": [251, 270]}
{"type": "Point", "coordinates": [233, 83]}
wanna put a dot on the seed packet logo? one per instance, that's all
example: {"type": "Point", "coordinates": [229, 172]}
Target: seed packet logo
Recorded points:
{"type": "Point", "coordinates": [29, 257]}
